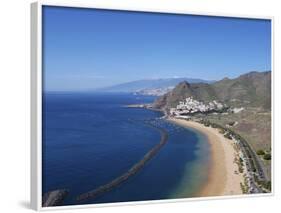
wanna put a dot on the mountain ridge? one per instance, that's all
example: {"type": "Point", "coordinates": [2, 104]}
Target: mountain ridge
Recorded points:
{"type": "Point", "coordinates": [251, 89]}
{"type": "Point", "coordinates": [135, 86]}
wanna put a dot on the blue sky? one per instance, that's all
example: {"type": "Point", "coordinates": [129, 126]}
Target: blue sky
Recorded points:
{"type": "Point", "coordinates": [88, 48]}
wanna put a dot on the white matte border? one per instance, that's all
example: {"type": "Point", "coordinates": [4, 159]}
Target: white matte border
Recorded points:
{"type": "Point", "coordinates": [36, 99]}
{"type": "Point", "coordinates": [36, 106]}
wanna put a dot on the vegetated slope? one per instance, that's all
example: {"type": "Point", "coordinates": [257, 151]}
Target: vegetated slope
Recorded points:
{"type": "Point", "coordinates": [251, 89]}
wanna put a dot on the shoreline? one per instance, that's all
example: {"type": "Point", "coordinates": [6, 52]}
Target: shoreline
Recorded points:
{"type": "Point", "coordinates": [223, 175]}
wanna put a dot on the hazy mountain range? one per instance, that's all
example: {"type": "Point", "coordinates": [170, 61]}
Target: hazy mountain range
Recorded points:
{"type": "Point", "coordinates": [147, 84]}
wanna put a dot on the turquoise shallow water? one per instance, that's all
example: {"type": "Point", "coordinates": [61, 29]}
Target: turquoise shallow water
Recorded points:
{"type": "Point", "coordinates": [90, 139]}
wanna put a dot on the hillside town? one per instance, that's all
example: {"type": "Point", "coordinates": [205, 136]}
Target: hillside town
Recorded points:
{"type": "Point", "coordinates": [154, 91]}
{"type": "Point", "coordinates": [255, 180]}
{"type": "Point", "coordinates": [191, 106]}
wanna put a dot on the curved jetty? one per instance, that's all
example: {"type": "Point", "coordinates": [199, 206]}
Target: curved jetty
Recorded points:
{"type": "Point", "coordinates": [133, 170]}
{"type": "Point", "coordinates": [54, 198]}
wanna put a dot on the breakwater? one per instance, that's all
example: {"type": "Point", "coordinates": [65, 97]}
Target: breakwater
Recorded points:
{"type": "Point", "coordinates": [132, 171]}
{"type": "Point", "coordinates": [54, 198]}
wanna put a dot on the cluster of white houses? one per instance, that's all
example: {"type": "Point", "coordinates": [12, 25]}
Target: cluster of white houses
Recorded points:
{"type": "Point", "coordinates": [191, 106]}
{"type": "Point", "coordinates": [254, 173]}
{"type": "Point", "coordinates": [154, 91]}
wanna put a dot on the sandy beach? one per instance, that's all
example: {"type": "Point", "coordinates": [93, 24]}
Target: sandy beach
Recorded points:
{"type": "Point", "coordinates": [224, 178]}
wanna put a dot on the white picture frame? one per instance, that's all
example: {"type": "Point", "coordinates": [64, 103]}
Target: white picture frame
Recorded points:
{"type": "Point", "coordinates": [36, 100]}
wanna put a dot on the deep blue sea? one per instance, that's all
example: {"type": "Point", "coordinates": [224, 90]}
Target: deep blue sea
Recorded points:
{"type": "Point", "coordinates": [90, 139]}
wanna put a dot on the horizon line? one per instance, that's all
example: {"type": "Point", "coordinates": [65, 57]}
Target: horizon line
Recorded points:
{"type": "Point", "coordinates": [99, 89]}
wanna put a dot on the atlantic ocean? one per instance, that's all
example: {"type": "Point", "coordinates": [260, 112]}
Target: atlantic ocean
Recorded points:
{"type": "Point", "coordinates": [91, 138]}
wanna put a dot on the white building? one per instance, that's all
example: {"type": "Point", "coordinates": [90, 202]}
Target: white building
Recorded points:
{"type": "Point", "coordinates": [191, 106]}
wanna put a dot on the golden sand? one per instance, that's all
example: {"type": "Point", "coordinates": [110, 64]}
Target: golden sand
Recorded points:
{"type": "Point", "coordinates": [224, 178]}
